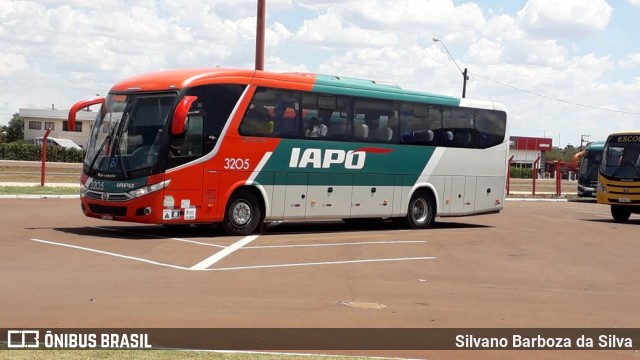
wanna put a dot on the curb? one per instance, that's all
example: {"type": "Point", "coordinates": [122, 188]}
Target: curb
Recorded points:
{"type": "Point", "coordinates": [536, 199]}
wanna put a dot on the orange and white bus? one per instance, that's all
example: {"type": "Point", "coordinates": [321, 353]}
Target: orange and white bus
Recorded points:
{"type": "Point", "coordinates": [619, 175]}
{"type": "Point", "coordinates": [244, 147]}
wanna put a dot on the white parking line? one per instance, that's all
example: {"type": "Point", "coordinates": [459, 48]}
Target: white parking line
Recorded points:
{"type": "Point", "coordinates": [223, 253]}
{"type": "Point", "coordinates": [160, 237]}
{"type": "Point", "coordinates": [323, 263]}
{"type": "Point", "coordinates": [334, 244]}
{"type": "Point", "coordinates": [206, 263]}
{"type": "Point", "coordinates": [111, 254]}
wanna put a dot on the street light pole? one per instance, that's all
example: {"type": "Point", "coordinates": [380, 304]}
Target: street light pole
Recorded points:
{"type": "Point", "coordinates": [260, 25]}
{"type": "Point", "coordinates": [465, 77]}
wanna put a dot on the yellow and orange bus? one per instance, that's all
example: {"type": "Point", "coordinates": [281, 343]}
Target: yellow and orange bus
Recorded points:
{"type": "Point", "coordinates": [619, 175]}
{"type": "Point", "coordinates": [244, 147]}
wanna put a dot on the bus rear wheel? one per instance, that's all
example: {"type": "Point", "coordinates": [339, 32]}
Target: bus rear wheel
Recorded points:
{"type": "Point", "coordinates": [421, 212]}
{"type": "Point", "coordinates": [620, 213]}
{"type": "Point", "coordinates": [243, 215]}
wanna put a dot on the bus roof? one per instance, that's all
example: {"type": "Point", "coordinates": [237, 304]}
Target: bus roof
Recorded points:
{"type": "Point", "coordinates": [596, 145]}
{"type": "Point", "coordinates": [182, 78]}
{"type": "Point", "coordinates": [627, 132]}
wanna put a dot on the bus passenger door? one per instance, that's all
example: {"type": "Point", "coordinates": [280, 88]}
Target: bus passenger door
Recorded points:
{"type": "Point", "coordinates": [372, 195]}
{"type": "Point", "coordinates": [295, 195]}
{"type": "Point", "coordinates": [329, 195]}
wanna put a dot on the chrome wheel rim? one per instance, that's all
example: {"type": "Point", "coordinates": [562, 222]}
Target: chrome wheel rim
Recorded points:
{"type": "Point", "coordinates": [240, 213]}
{"type": "Point", "coordinates": [419, 210]}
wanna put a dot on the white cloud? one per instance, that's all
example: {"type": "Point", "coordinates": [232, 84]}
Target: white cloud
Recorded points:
{"type": "Point", "coordinates": [631, 60]}
{"type": "Point", "coordinates": [62, 51]}
{"type": "Point", "coordinates": [566, 18]}
{"type": "Point", "coordinates": [12, 64]}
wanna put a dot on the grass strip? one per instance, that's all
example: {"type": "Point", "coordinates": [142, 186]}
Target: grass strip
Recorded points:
{"type": "Point", "coordinates": [39, 190]}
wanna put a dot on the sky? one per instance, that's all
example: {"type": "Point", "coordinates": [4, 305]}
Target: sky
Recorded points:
{"type": "Point", "coordinates": [565, 69]}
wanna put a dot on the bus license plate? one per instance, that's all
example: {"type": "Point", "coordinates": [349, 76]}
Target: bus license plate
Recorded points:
{"type": "Point", "coordinates": [624, 200]}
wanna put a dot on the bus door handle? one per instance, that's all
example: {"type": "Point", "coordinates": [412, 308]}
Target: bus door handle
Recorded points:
{"type": "Point", "coordinates": [330, 190]}
{"type": "Point", "coordinates": [373, 190]}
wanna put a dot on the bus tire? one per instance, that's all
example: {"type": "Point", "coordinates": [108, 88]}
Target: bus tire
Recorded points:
{"type": "Point", "coordinates": [243, 214]}
{"type": "Point", "coordinates": [421, 211]}
{"type": "Point", "coordinates": [620, 213]}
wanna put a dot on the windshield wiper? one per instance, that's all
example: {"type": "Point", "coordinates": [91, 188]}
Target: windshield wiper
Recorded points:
{"type": "Point", "coordinates": [116, 144]}
{"type": "Point", "coordinates": [108, 138]}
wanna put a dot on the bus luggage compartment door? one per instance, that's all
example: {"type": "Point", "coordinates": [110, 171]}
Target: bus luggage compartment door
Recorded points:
{"type": "Point", "coordinates": [329, 195]}
{"type": "Point", "coordinates": [372, 195]}
{"type": "Point", "coordinates": [460, 192]}
{"type": "Point", "coordinates": [295, 198]}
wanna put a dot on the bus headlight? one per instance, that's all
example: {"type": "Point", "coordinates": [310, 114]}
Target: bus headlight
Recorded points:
{"type": "Point", "coordinates": [149, 189]}
{"type": "Point", "coordinates": [602, 188]}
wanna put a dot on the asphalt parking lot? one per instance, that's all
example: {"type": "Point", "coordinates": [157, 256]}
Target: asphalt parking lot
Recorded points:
{"type": "Point", "coordinates": [535, 265]}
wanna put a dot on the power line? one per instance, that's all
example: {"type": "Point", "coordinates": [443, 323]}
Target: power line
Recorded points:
{"type": "Point", "coordinates": [555, 99]}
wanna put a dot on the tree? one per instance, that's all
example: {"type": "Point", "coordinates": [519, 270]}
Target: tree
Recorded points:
{"type": "Point", "coordinates": [3, 134]}
{"type": "Point", "coordinates": [15, 129]}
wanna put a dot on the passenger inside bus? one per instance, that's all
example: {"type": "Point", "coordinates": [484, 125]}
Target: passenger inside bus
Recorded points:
{"type": "Point", "coordinates": [392, 129]}
{"type": "Point", "coordinates": [256, 121]}
{"type": "Point", "coordinates": [323, 128]}
{"type": "Point", "coordinates": [313, 129]}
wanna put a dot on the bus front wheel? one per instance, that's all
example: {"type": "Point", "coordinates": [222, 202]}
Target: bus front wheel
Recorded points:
{"type": "Point", "coordinates": [243, 215]}
{"type": "Point", "coordinates": [421, 212]}
{"type": "Point", "coordinates": [620, 213]}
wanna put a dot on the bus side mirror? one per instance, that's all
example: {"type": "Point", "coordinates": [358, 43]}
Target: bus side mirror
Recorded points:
{"type": "Point", "coordinates": [71, 119]}
{"type": "Point", "coordinates": [180, 115]}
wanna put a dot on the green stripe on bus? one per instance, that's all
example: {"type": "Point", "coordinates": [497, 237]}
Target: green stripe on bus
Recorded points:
{"type": "Point", "coordinates": [367, 88]}
{"type": "Point", "coordinates": [335, 163]}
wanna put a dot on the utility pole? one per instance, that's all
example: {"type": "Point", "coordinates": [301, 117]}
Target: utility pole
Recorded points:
{"type": "Point", "coordinates": [584, 139]}
{"type": "Point", "coordinates": [464, 82]}
{"type": "Point", "coordinates": [260, 25]}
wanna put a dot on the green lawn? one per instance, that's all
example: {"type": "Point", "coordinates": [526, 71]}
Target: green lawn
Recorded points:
{"type": "Point", "coordinates": [38, 190]}
{"type": "Point", "coordinates": [151, 355]}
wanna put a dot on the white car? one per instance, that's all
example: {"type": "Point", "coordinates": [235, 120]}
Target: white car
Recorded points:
{"type": "Point", "coordinates": [65, 143]}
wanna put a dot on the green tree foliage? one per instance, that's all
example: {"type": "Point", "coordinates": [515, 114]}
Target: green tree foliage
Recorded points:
{"type": "Point", "coordinates": [521, 173]}
{"type": "Point", "coordinates": [15, 129]}
{"type": "Point", "coordinates": [30, 152]}
{"type": "Point", "coordinates": [565, 154]}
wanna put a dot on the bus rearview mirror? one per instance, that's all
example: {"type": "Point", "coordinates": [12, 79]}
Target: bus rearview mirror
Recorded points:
{"type": "Point", "coordinates": [180, 115]}
{"type": "Point", "coordinates": [71, 119]}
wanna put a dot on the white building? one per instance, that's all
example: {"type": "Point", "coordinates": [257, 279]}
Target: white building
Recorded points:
{"type": "Point", "coordinates": [37, 121]}
{"type": "Point", "coordinates": [525, 150]}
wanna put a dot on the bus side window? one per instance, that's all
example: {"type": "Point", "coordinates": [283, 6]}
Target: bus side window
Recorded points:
{"type": "Point", "coordinates": [460, 122]}
{"type": "Point", "coordinates": [256, 121]}
{"type": "Point", "coordinates": [272, 113]}
{"type": "Point", "coordinates": [420, 124]}
{"type": "Point", "coordinates": [370, 121]}
{"type": "Point", "coordinates": [490, 127]}
{"type": "Point", "coordinates": [331, 112]}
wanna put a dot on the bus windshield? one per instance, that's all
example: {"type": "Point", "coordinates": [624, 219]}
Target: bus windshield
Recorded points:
{"type": "Point", "coordinates": [128, 134]}
{"type": "Point", "coordinates": [621, 160]}
{"type": "Point", "coordinates": [589, 163]}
